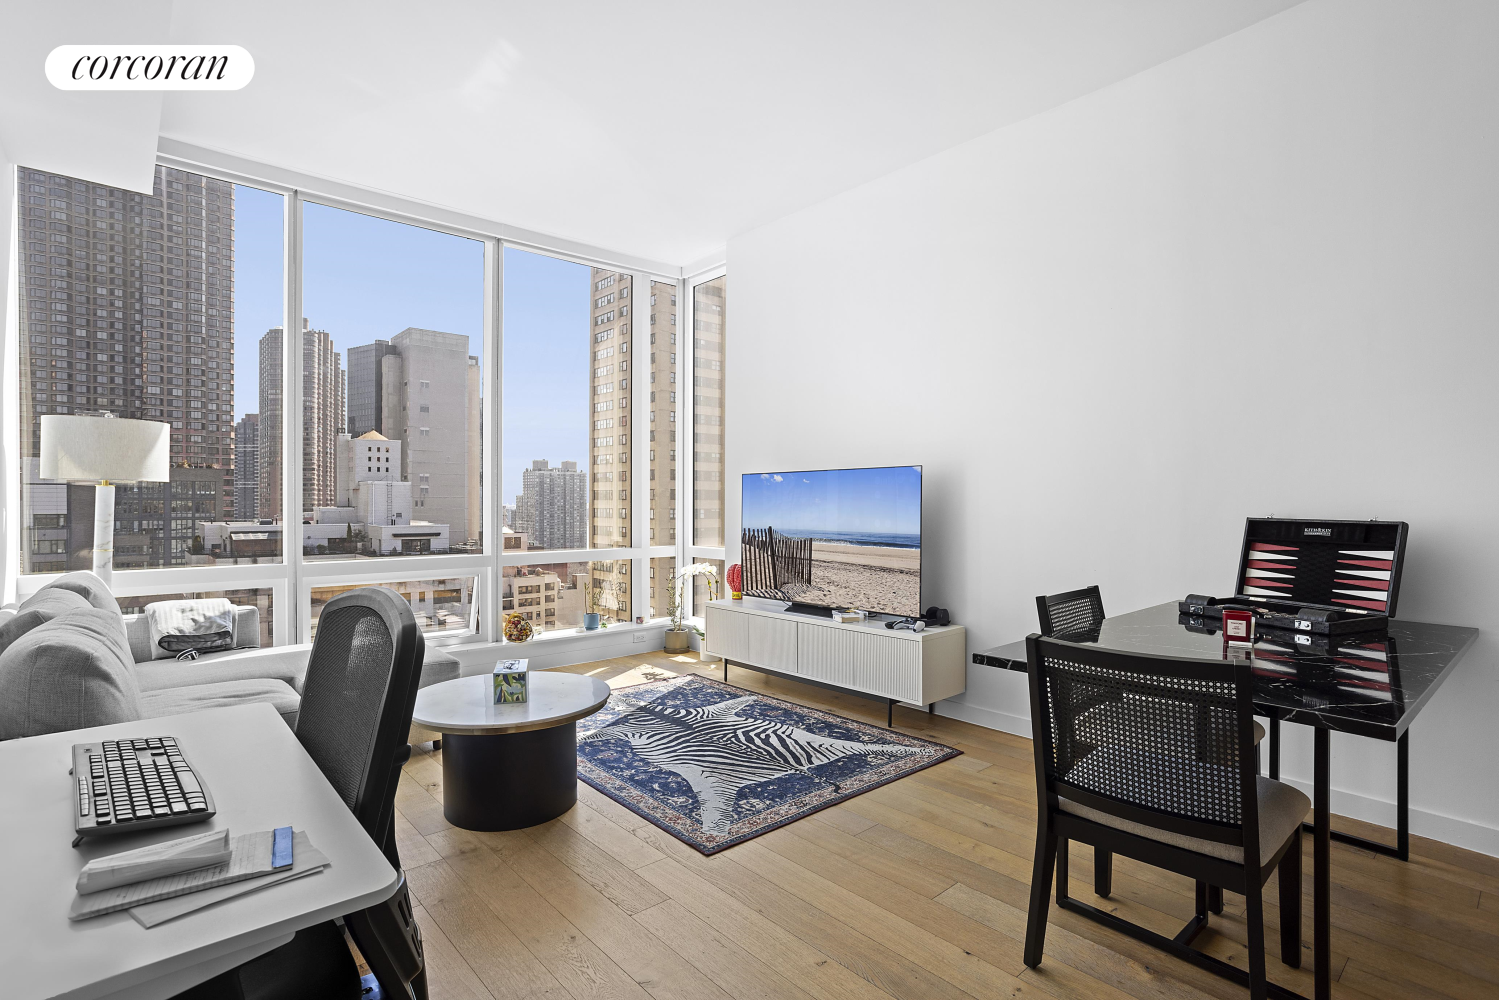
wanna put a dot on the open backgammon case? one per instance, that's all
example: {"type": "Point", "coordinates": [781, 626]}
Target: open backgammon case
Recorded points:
{"type": "Point", "coordinates": [1311, 580]}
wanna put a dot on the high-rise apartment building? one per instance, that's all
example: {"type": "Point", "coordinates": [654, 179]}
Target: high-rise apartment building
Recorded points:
{"type": "Point", "coordinates": [247, 468]}
{"type": "Point", "coordinates": [609, 435]}
{"type": "Point", "coordinates": [127, 308]}
{"type": "Point", "coordinates": [366, 398]}
{"type": "Point", "coordinates": [322, 420]}
{"type": "Point", "coordinates": [430, 402]}
{"type": "Point", "coordinates": [552, 509]}
{"type": "Point", "coordinates": [707, 412]}
{"type": "Point", "coordinates": [664, 439]}
{"type": "Point", "coordinates": [610, 430]}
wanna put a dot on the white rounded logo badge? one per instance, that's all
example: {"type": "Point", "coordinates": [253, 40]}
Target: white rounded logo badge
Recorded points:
{"type": "Point", "coordinates": [149, 67]}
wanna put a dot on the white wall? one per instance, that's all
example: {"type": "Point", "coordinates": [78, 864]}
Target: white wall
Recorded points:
{"type": "Point", "coordinates": [10, 356]}
{"type": "Point", "coordinates": [1261, 278]}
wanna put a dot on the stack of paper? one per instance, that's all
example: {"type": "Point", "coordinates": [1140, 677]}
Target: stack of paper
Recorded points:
{"type": "Point", "coordinates": [251, 855]}
{"type": "Point", "coordinates": [309, 861]}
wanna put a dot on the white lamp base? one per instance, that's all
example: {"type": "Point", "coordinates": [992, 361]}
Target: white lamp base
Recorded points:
{"type": "Point", "coordinates": [104, 533]}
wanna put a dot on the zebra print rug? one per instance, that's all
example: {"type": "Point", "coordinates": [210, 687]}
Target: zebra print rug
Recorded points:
{"type": "Point", "coordinates": [715, 765]}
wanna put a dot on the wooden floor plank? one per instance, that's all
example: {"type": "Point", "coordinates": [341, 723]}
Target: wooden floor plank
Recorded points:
{"type": "Point", "coordinates": [505, 966]}
{"type": "Point", "coordinates": [650, 961]}
{"type": "Point", "coordinates": [610, 836]}
{"type": "Point", "coordinates": [911, 891]}
{"type": "Point", "coordinates": [411, 845]}
{"type": "Point", "coordinates": [619, 884]}
{"type": "Point", "coordinates": [871, 856]}
{"type": "Point", "coordinates": [853, 950]}
{"type": "Point", "coordinates": [567, 953]}
{"type": "Point", "coordinates": [421, 810]}
{"type": "Point", "coordinates": [968, 972]}
{"type": "Point", "coordinates": [448, 975]}
{"type": "Point", "coordinates": [805, 964]}
{"type": "Point", "coordinates": [735, 971]}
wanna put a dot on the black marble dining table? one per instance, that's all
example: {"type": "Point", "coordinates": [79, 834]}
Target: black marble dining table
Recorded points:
{"type": "Point", "coordinates": [1369, 684]}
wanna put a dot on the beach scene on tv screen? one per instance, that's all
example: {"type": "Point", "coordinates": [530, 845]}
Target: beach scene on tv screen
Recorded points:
{"type": "Point", "coordinates": [842, 538]}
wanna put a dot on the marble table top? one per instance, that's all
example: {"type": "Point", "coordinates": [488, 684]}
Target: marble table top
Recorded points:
{"type": "Point", "coordinates": [1371, 686]}
{"type": "Point", "coordinates": [465, 707]}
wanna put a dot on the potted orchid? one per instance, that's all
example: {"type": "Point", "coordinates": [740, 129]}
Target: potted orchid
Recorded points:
{"type": "Point", "coordinates": [678, 630]}
{"type": "Point", "coordinates": [591, 608]}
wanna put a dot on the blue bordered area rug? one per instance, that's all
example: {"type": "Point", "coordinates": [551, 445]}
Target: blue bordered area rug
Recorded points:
{"type": "Point", "coordinates": [716, 765]}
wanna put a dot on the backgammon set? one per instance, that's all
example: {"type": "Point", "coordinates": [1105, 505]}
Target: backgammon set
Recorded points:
{"type": "Point", "coordinates": [1311, 578]}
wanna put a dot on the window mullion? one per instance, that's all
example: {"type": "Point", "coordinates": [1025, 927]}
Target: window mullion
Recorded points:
{"type": "Point", "coordinates": [300, 624]}
{"type": "Point", "coordinates": [494, 450]}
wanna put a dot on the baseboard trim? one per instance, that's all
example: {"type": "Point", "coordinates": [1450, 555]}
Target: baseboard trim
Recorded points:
{"type": "Point", "coordinates": [989, 718]}
{"type": "Point", "coordinates": [1424, 823]}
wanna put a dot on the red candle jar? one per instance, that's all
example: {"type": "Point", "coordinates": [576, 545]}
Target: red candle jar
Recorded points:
{"type": "Point", "coordinates": [1238, 627]}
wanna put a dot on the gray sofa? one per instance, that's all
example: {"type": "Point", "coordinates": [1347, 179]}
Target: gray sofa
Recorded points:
{"type": "Point", "coordinates": [69, 660]}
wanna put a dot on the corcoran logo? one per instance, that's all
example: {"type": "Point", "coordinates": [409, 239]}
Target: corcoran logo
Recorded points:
{"type": "Point", "coordinates": [149, 67]}
{"type": "Point", "coordinates": [1317, 532]}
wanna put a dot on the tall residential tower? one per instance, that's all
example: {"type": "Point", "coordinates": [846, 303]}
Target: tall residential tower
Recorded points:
{"type": "Point", "coordinates": [127, 308]}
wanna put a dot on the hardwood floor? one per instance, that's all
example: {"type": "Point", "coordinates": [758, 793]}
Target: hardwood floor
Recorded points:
{"type": "Point", "coordinates": [914, 890]}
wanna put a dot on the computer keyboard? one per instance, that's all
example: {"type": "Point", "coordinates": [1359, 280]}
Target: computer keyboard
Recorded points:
{"type": "Point", "coordinates": [126, 785]}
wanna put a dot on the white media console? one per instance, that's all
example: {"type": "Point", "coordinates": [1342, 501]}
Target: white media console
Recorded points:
{"type": "Point", "coordinates": [918, 668]}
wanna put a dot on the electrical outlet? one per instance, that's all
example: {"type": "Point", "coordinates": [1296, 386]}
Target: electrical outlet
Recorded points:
{"type": "Point", "coordinates": [640, 637]}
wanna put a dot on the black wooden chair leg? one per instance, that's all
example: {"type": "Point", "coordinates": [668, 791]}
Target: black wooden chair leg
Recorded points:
{"type": "Point", "coordinates": [1215, 899]}
{"type": "Point", "coordinates": [1103, 871]}
{"type": "Point", "coordinates": [1289, 877]}
{"type": "Point", "coordinates": [1035, 927]}
{"type": "Point", "coordinates": [1202, 899]}
{"type": "Point", "coordinates": [1254, 920]}
{"type": "Point", "coordinates": [1062, 875]}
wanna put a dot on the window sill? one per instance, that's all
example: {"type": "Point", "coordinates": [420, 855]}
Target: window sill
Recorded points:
{"type": "Point", "coordinates": [565, 646]}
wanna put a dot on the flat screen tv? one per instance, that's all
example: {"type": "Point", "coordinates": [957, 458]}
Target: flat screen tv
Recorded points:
{"type": "Point", "coordinates": [835, 538]}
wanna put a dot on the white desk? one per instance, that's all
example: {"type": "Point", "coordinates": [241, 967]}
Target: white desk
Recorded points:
{"type": "Point", "coordinates": [260, 778]}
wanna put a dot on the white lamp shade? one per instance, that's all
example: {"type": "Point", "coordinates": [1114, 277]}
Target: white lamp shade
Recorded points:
{"type": "Point", "coordinates": [91, 449]}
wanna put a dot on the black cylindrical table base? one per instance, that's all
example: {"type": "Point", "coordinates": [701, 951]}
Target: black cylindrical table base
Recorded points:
{"type": "Point", "coordinates": [509, 781]}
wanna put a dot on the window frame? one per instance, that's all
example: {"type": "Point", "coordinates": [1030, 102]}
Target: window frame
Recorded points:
{"type": "Point", "coordinates": [692, 551]}
{"type": "Point", "coordinates": [294, 576]}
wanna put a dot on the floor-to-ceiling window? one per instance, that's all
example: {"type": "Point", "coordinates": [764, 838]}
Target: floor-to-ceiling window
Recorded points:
{"type": "Point", "coordinates": [376, 428]}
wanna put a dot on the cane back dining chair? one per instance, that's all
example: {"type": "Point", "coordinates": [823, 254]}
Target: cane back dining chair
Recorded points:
{"type": "Point", "coordinates": [1166, 776]}
{"type": "Point", "coordinates": [1075, 612]}
{"type": "Point", "coordinates": [1078, 615]}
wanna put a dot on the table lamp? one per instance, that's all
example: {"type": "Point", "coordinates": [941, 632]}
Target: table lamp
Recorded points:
{"type": "Point", "coordinates": [103, 451]}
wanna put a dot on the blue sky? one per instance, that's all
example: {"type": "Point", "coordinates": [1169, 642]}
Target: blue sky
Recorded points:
{"type": "Point", "coordinates": [869, 500]}
{"type": "Point", "coordinates": [366, 279]}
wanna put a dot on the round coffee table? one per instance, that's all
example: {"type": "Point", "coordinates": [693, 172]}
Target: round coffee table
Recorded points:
{"type": "Point", "coordinates": [505, 767]}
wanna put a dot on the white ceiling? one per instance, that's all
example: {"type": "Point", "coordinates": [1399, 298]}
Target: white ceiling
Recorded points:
{"type": "Point", "coordinates": [659, 129]}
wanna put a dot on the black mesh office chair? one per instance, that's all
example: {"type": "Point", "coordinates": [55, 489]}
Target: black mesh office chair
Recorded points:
{"type": "Point", "coordinates": [357, 699]}
{"type": "Point", "coordinates": [1166, 776]}
{"type": "Point", "coordinates": [1075, 612]}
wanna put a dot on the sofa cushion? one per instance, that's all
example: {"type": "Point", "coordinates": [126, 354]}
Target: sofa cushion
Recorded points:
{"type": "Point", "coordinates": [437, 667]}
{"type": "Point", "coordinates": [284, 663]}
{"type": "Point", "coordinates": [41, 607]}
{"type": "Point", "coordinates": [197, 697]}
{"type": "Point", "coordinates": [72, 672]}
{"type": "Point", "coordinates": [89, 586]}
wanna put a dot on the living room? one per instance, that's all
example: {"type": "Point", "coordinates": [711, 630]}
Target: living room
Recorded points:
{"type": "Point", "coordinates": [698, 400]}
